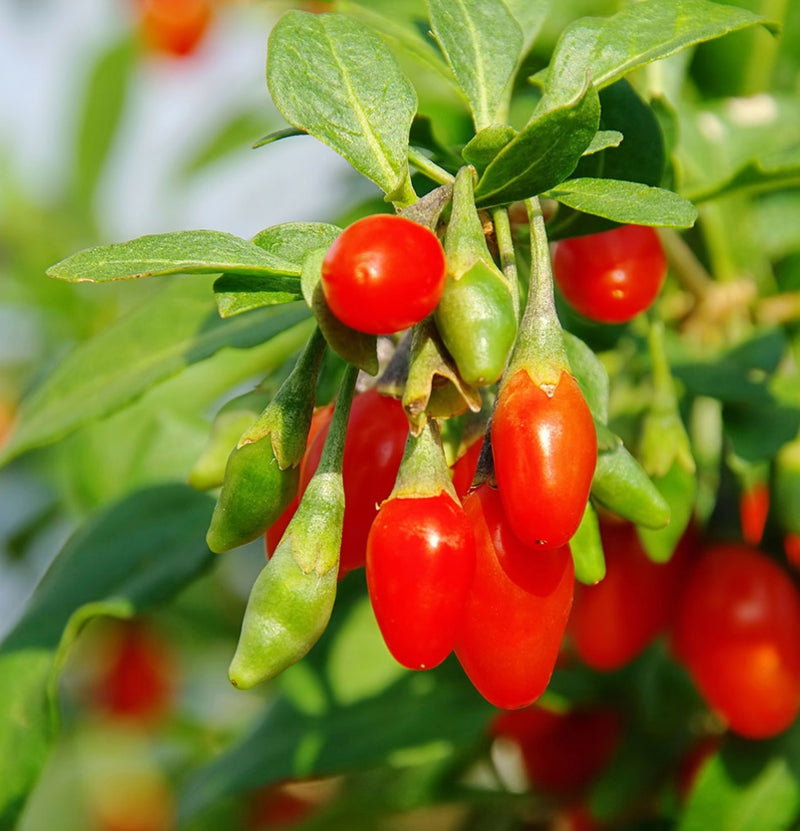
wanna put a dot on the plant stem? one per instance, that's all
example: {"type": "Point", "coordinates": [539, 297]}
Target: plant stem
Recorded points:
{"type": "Point", "coordinates": [432, 170]}
{"type": "Point", "coordinates": [508, 259]}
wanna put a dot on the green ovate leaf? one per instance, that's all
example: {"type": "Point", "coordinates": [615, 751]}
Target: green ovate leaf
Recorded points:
{"type": "Point", "coordinates": [544, 154]}
{"type": "Point", "coordinates": [483, 147]}
{"type": "Point", "coordinates": [137, 553]}
{"type": "Point", "coordinates": [288, 244]}
{"type": "Point", "coordinates": [482, 43]}
{"type": "Point", "coordinates": [747, 786]}
{"type": "Point", "coordinates": [144, 548]}
{"type": "Point", "coordinates": [332, 77]}
{"type": "Point", "coordinates": [643, 32]}
{"type": "Point", "coordinates": [174, 329]}
{"type": "Point", "coordinates": [531, 16]}
{"type": "Point", "coordinates": [178, 252]}
{"type": "Point", "coordinates": [754, 175]}
{"type": "Point", "coordinates": [590, 374]}
{"type": "Point", "coordinates": [603, 139]}
{"type": "Point", "coordinates": [626, 202]}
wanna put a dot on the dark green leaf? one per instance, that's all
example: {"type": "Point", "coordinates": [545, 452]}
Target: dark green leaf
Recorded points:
{"type": "Point", "coordinates": [745, 427]}
{"type": "Point", "coordinates": [179, 252]}
{"type": "Point", "coordinates": [482, 42]}
{"type": "Point", "coordinates": [421, 710]}
{"type": "Point", "coordinates": [332, 77]}
{"type": "Point", "coordinates": [643, 32]}
{"type": "Point", "coordinates": [544, 154]}
{"type": "Point", "coordinates": [142, 549]}
{"type": "Point", "coordinates": [748, 786]}
{"type": "Point", "coordinates": [174, 329]}
{"type": "Point", "coordinates": [626, 202]}
{"type": "Point", "coordinates": [236, 294]}
{"type": "Point", "coordinates": [640, 157]}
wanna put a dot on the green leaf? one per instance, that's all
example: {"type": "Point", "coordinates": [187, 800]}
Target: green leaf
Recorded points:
{"type": "Point", "coordinates": [531, 16]}
{"type": "Point", "coordinates": [482, 42]}
{"type": "Point", "coordinates": [603, 139]}
{"type": "Point", "coordinates": [748, 786]}
{"type": "Point", "coordinates": [544, 154]}
{"type": "Point", "coordinates": [643, 32]}
{"type": "Point", "coordinates": [175, 328]}
{"type": "Point", "coordinates": [240, 132]}
{"type": "Point", "coordinates": [485, 145]}
{"type": "Point", "coordinates": [142, 549]}
{"type": "Point", "coordinates": [754, 175]}
{"type": "Point", "coordinates": [104, 104]}
{"type": "Point", "coordinates": [626, 202]}
{"type": "Point", "coordinates": [590, 373]}
{"type": "Point", "coordinates": [416, 712]}
{"type": "Point", "coordinates": [290, 242]}
{"type": "Point", "coordinates": [236, 294]}
{"type": "Point", "coordinates": [332, 77]}
{"type": "Point", "coordinates": [26, 729]}
{"type": "Point", "coordinates": [178, 252]}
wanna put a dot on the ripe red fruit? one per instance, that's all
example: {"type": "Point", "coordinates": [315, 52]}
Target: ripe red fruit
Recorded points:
{"type": "Point", "coordinates": [562, 752]}
{"type": "Point", "coordinates": [545, 453]}
{"type": "Point", "coordinates": [376, 437]}
{"type": "Point", "coordinates": [383, 274]}
{"type": "Point", "coordinates": [174, 27]}
{"type": "Point", "coordinates": [516, 610]}
{"type": "Point", "coordinates": [135, 674]}
{"type": "Point", "coordinates": [465, 467]}
{"type": "Point", "coordinates": [420, 563]}
{"type": "Point", "coordinates": [615, 620]}
{"type": "Point", "coordinates": [753, 512]}
{"type": "Point", "coordinates": [612, 276]}
{"type": "Point", "coordinates": [737, 630]}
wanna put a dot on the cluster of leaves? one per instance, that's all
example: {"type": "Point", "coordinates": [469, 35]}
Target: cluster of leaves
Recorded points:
{"type": "Point", "coordinates": [586, 120]}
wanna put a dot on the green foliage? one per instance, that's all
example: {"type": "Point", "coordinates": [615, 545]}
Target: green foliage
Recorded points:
{"type": "Point", "coordinates": [593, 121]}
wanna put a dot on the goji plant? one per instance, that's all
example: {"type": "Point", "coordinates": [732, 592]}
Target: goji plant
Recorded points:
{"type": "Point", "coordinates": [510, 423]}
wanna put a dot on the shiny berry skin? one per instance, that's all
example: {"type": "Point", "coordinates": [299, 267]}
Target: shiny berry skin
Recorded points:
{"type": "Point", "coordinates": [383, 274]}
{"type": "Point", "coordinates": [376, 438]}
{"type": "Point", "coordinates": [516, 611]}
{"type": "Point", "coordinates": [174, 27]}
{"type": "Point", "coordinates": [613, 276]}
{"type": "Point", "coordinates": [545, 453]}
{"type": "Point", "coordinates": [615, 620]}
{"type": "Point", "coordinates": [753, 512]}
{"type": "Point", "coordinates": [465, 467]}
{"type": "Point", "coordinates": [737, 630]}
{"type": "Point", "coordinates": [420, 564]}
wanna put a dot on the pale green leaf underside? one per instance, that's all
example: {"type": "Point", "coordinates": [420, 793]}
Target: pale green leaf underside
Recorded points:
{"type": "Point", "coordinates": [332, 77]}
{"type": "Point", "coordinates": [626, 202]}
{"type": "Point", "coordinates": [637, 35]}
{"type": "Point", "coordinates": [177, 327]}
{"type": "Point", "coordinates": [482, 43]}
{"type": "Point", "coordinates": [178, 252]}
